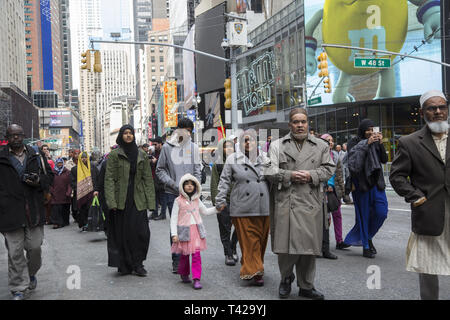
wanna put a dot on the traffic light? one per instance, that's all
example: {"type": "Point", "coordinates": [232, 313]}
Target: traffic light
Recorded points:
{"type": "Point", "coordinates": [327, 86]}
{"type": "Point", "coordinates": [86, 60]}
{"type": "Point", "coordinates": [323, 65]}
{"type": "Point", "coordinates": [97, 61]}
{"type": "Point", "coordinates": [227, 85]}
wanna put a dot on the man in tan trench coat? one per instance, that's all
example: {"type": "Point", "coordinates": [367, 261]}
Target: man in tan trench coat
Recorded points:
{"type": "Point", "coordinates": [299, 166]}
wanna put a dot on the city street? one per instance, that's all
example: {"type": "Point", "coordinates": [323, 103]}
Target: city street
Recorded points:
{"type": "Point", "coordinates": [345, 278]}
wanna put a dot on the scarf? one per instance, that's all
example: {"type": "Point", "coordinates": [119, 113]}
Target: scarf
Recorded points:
{"type": "Point", "coordinates": [57, 169]}
{"type": "Point", "coordinates": [84, 180]}
{"type": "Point", "coordinates": [131, 149]}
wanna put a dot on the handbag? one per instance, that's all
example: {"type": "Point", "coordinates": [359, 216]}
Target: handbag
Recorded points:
{"type": "Point", "coordinates": [96, 218]}
{"type": "Point", "coordinates": [332, 201]}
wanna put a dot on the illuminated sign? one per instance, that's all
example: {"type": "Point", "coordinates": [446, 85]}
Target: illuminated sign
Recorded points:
{"type": "Point", "coordinates": [60, 119]}
{"type": "Point", "coordinates": [170, 100]}
{"type": "Point", "coordinates": [255, 83]}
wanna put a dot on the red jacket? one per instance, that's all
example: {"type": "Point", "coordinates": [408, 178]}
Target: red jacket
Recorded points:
{"type": "Point", "coordinates": [61, 190]}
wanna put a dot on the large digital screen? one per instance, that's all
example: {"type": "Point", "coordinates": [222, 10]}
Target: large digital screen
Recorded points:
{"type": "Point", "coordinates": [410, 27]}
{"type": "Point", "coordinates": [60, 119]}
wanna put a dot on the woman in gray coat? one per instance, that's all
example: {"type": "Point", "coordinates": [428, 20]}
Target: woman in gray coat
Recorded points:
{"type": "Point", "coordinates": [249, 204]}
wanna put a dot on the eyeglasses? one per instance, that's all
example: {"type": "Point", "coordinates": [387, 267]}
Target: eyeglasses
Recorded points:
{"type": "Point", "coordinates": [442, 107]}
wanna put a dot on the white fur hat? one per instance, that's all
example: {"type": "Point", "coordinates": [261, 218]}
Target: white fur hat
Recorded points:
{"type": "Point", "coordinates": [430, 94]}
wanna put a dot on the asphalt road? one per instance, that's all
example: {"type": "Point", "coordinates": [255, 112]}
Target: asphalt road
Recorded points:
{"type": "Point", "coordinates": [345, 278]}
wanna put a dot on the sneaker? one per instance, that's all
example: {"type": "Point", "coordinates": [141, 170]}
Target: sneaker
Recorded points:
{"type": "Point", "coordinates": [229, 261]}
{"type": "Point", "coordinates": [33, 283]}
{"type": "Point", "coordinates": [18, 296]}
{"type": "Point", "coordinates": [197, 284]}
{"type": "Point", "coordinates": [185, 279]}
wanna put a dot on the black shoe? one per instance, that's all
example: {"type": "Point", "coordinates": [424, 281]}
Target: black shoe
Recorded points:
{"type": "Point", "coordinates": [372, 248]}
{"type": "Point", "coordinates": [140, 271]}
{"type": "Point", "coordinates": [123, 272]}
{"type": "Point", "coordinates": [329, 255]}
{"type": "Point", "coordinates": [311, 294]}
{"type": "Point", "coordinates": [174, 268]}
{"type": "Point", "coordinates": [229, 261]}
{"type": "Point", "coordinates": [368, 253]}
{"type": "Point", "coordinates": [160, 217]}
{"type": "Point", "coordinates": [342, 246]}
{"type": "Point", "coordinates": [285, 287]}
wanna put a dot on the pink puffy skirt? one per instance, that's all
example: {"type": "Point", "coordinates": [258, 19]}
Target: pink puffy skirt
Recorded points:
{"type": "Point", "coordinates": [190, 247]}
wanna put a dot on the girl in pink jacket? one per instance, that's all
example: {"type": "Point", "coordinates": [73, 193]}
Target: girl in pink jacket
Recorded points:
{"type": "Point", "coordinates": [187, 229]}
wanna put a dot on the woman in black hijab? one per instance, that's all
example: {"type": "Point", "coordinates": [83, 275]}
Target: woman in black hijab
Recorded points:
{"type": "Point", "coordinates": [367, 153]}
{"type": "Point", "coordinates": [129, 193]}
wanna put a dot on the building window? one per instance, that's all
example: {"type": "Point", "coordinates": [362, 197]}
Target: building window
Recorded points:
{"type": "Point", "coordinates": [161, 49]}
{"type": "Point", "coordinates": [161, 59]}
{"type": "Point", "coordinates": [153, 59]}
{"type": "Point", "coordinates": [153, 78]}
{"type": "Point", "coordinates": [152, 49]}
{"type": "Point", "coordinates": [161, 68]}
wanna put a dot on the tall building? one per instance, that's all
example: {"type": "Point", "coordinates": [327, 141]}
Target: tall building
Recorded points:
{"type": "Point", "coordinates": [157, 55]}
{"type": "Point", "coordinates": [35, 76]}
{"type": "Point", "coordinates": [90, 86]}
{"type": "Point", "coordinates": [161, 9]}
{"type": "Point", "coordinates": [12, 39]}
{"type": "Point", "coordinates": [116, 80]}
{"type": "Point", "coordinates": [142, 12]}
{"type": "Point", "coordinates": [44, 55]}
{"type": "Point", "coordinates": [66, 53]}
{"type": "Point", "coordinates": [85, 23]}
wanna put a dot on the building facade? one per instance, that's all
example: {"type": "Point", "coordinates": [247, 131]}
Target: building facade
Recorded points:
{"type": "Point", "coordinates": [117, 80]}
{"type": "Point", "coordinates": [85, 23]}
{"type": "Point", "coordinates": [90, 86]}
{"type": "Point", "coordinates": [13, 47]}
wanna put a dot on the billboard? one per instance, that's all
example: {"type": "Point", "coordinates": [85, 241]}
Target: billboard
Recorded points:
{"type": "Point", "coordinates": [46, 34]}
{"type": "Point", "coordinates": [413, 29]}
{"type": "Point", "coordinates": [209, 34]}
{"type": "Point", "coordinates": [59, 119]}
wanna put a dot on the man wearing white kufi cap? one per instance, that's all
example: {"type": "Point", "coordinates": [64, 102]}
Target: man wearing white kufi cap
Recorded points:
{"type": "Point", "coordinates": [420, 174]}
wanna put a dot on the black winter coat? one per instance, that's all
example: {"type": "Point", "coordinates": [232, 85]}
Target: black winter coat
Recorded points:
{"type": "Point", "coordinates": [20, 204]}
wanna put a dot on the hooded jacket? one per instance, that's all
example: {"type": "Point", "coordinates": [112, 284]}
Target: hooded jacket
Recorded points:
{"type": "Point", "coordinates": [177, 159]}
{"type": "Point", "coordinates": [186, 211]}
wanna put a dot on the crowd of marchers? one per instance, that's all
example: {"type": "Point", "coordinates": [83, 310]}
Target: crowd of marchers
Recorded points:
{"type": "Point", "coordinates": [289, 189]}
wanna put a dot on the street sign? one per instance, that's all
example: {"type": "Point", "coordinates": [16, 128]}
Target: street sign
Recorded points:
{"type": "Point", "coordinates": [315, 100]}
{"type": "Point", "coordinates": [382, 63]}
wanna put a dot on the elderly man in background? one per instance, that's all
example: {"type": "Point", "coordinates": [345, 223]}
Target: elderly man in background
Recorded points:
{"type": "Point", "coordinates": [420, 174]}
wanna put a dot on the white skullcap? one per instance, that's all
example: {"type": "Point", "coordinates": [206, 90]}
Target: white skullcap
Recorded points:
{"type": "Point", "coordinates": [430, 94]}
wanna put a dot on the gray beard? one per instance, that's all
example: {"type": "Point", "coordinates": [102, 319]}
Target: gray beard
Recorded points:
{"type": "Point", "coordinates": [300, 136]}
{"type": "Point", "coordinates": [438, 126]}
